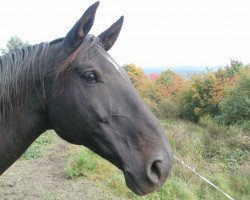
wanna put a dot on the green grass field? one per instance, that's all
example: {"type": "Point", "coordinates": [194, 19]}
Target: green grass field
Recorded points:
{"type": "Point", "coordinates": [219, 153]}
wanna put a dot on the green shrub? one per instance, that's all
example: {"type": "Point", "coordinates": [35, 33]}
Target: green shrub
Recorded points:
{"type": "Point", "coordinates": [168, 109]}
{"type": "Point", "coordinates": [246, 126]}
{"type": "Point", "coordinates": [223, 144]}
{"type": "Point", "coordinates": [153, 106]}
{"type": "Point", "coordinates": [165, 108]}
{"type": "Point", "coordinates": [188, 106]}
{"type": "Point", "coordinates": [196, 99]}
{"type": "Point", "coordinates": [235, 107]}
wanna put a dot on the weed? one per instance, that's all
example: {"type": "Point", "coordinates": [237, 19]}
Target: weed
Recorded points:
{"type": "Point", "coordinates": [34, 150]}
{"type": "Point", "coordinates": [213, 157]}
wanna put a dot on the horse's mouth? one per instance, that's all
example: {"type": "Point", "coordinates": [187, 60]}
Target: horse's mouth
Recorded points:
{"type": "Point", "coordinates": [141, 185]}
{"type": "Point", "coordinates": [131, 184]}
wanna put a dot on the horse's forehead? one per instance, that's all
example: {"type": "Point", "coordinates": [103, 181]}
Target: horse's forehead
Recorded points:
{"type": "Point", "coordinates": [117, 67]}
{"type": "Point", "coordinates": [114, 65]}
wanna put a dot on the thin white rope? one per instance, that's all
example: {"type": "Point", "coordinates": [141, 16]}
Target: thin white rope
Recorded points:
{"type": "Point", "coordinates": [202, 177]}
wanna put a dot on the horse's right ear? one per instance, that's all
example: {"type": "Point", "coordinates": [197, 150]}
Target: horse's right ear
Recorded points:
{"type": "Point", "coordinates": [76, 35]}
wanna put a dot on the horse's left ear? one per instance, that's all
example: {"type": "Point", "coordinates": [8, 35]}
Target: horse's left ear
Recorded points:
{"type": "Point", "coordinates": [76, 35]}
{"type": "Point", "coordinates": [109, 36]}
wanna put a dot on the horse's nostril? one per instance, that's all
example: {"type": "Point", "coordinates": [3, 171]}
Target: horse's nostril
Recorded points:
{"type": "Point", "coordinates": [155, 173]}
{"type": "Point", "coordinates": [105, 121]}
{"type": "Point", "coordinates": [156, 168]}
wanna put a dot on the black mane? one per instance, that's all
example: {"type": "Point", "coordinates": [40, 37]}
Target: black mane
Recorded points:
{"type": "Point", "coordinates": [19, 70]}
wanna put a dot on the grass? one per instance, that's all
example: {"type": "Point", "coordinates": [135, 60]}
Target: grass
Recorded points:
{"type": "Point", "coordinates": [216, 152]}
{"type": "Point", "coordinates": [34, 150]}
{"type": "Point", "coordinates": [51, 196]}
{"type": "Point", "coordinates": [84, 162]}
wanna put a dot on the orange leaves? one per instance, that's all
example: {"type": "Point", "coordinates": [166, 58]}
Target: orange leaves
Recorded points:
{"type": "Point", "coordinates": [169, 84]}
{"type": "Point", "coordinates": [221, 85]}
{"type": "Point", "coordinates": [171, 95]}
{"type": "Point", "coordinates": [172, 89]}
{"type": "Point", "coordinates": [207, 91]}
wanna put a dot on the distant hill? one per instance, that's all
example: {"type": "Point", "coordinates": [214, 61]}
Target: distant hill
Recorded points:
{"type": "Point", "coordinates": [181, 70]}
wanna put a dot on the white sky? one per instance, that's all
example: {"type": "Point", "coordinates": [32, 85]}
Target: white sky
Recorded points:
{"type": "Point", "coordinates": [156, 33]}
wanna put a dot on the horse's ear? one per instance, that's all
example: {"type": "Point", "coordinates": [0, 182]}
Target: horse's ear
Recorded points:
{"type": "Point", "coordinates": [76, 35]}
{"type": "Point", "coordinates": [109, 36]}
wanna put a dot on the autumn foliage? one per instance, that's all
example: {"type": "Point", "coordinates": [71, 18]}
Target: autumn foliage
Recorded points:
{"type": "Point", "coordinates": [223, 95]}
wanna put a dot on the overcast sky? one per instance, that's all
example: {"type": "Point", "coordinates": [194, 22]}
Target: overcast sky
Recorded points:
{"type": "Point", "coordinates": [156, 33]}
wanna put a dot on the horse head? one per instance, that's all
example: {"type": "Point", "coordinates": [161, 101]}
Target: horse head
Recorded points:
{"type": "Point", "coordinates": [91, 102]}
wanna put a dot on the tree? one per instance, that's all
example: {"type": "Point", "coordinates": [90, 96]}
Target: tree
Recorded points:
{"type": "Point", "coordinates": [231, 70]}
{"type": "Point", "coordinates": [223, 94]}
{"type": "Point", "coordinates": [135, 73]}
{"type": "Point", "coordinates": [169, 84]}
{"type": "Point", "coordinates": [196, 99]}
{"type": "Point", "coordinates": [235, 106]}
{"type": "Point", "coordinates": [14, 43]}
{"type": "Point", "coordinates": [166, 77]}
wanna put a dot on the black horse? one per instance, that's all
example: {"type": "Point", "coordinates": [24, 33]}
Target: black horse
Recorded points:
{"type": "Point", "coordinates": [72, 85]}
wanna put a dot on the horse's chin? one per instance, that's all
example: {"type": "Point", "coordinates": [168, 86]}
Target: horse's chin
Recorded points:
{"type": "Point", "coordinates": [139, 187]}
{"type": "Point", "coordinates": [131, 184]}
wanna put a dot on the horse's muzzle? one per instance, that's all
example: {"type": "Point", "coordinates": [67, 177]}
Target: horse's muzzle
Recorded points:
{"type": "Point", "coordinates": [150, 177]}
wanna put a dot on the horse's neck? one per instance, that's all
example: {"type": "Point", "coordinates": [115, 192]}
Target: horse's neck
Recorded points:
{"type": "Point", "coordinates": [17, 134]}
{"type": "Point", "coordinates": [21, 124]}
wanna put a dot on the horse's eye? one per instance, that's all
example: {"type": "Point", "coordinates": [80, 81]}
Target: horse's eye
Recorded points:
{"type": "Point", "coordinates": [89, 77]}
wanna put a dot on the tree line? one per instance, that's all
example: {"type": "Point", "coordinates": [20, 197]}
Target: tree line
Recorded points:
{"type": "Point", "coordinates": [221, 95]}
